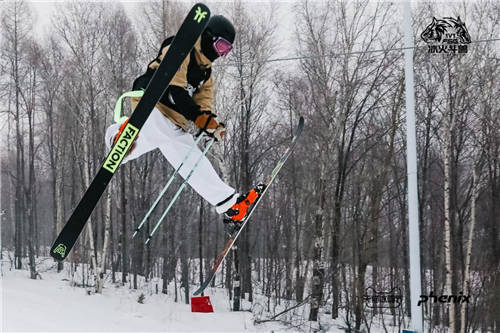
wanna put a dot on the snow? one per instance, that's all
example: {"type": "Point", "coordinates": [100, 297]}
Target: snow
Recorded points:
{"type": "Point", "coordinates": [52, 305]}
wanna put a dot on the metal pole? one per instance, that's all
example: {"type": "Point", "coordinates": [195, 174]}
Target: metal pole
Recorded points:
{"type": "Point", "coordinates": [176, 195]}
{"type": "Point", "coordinates": [411, 156]}
{"type": "Point", "coordinates": [166, 186]}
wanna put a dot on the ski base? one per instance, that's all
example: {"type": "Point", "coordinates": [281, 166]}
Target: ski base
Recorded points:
{"type": "Point", "coordinates": [179, 49]}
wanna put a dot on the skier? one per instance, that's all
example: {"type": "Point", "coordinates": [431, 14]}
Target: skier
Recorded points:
{"type": "Point", "coordinates": [189, 98]}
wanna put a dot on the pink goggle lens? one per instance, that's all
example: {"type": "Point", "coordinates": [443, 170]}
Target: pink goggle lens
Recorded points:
{"type": "Point", "coordinates": [222, 46]}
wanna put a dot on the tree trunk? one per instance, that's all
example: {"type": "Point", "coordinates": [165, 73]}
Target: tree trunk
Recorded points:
{"type": "Point", "coordinates": [19, 178]}
{"type": "Point", "coordinates": [335, 249]}
{"type": "Point", "coordinates": [468, 254]}
{"type": "Point", "coordinates": [447, 226]}
{"type": "Point", "coordinates": [30, 187]}
{"type": "Point", "coordinates": [236, 279]}
{"type": "Point", "coordinates": [86, 184]}
{"type": "Point", "coordinates": [318, 264]}
{"type": "Point", "coordinates": [448, 183]}
{"type": "Point", "coordinates": [123, 245]}
{"type": "Point", "coordinates": [107, 226]}
{"type": "Point", "coordinates": [200, 242]}
{"type": "Point", "coordinates": [59, 206]}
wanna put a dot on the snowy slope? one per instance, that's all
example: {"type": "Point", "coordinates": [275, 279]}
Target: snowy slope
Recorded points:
{"type": "Point", "coordinates": [52, 305]}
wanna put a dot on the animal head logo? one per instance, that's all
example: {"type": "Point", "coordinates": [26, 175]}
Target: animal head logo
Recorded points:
{"type": "Point", "coordinates": [446, 30]}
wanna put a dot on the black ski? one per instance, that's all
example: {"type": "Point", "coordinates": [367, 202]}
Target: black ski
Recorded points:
{"type": "Point", "coordinates": [236, 232]}
{"type": "Point", "coordinates": [179, 49]}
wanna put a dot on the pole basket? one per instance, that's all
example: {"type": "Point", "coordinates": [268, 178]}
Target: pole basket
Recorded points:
{"type": "Point", "coordinates": [201, 304]}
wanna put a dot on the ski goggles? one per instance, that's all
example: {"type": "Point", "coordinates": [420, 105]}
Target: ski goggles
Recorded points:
{"type": "Point", "coordinates": [222, 46]}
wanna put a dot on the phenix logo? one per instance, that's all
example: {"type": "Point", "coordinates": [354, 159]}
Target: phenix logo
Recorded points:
{"type": "Point", "coordinates": [444, 298]}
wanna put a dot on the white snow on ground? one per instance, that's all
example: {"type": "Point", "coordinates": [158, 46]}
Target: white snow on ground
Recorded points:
{"type": "Point", "coordinates": [52, 305]}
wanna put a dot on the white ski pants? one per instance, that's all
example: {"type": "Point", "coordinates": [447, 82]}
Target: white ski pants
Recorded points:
{"type": "Point", "coordinates": [159, 132]}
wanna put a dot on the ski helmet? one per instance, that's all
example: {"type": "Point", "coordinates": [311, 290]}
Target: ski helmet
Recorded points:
{"type": "Point", "coordinates": [218, 37]}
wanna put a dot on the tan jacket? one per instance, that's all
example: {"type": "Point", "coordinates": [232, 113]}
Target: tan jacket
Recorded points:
{"type": "Point", "coordinates": [203, 96]}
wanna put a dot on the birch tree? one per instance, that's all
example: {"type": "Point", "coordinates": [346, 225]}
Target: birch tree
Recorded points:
{"type": "Point", "coordinates": [121, 52]}
{"type": "Point", "coordinates": [28, 95]}
{"type": "Point", "coordinates": [56, 137]}
{"type": "Point", "coordinates": [81, 27]}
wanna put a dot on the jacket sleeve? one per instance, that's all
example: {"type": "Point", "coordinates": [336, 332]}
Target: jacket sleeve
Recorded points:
{"type": "Point", "coordinates": [205, 96]}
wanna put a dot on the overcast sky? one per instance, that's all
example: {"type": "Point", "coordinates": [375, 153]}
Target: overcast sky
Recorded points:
{"type": "Point", "coordinates": [285, 34]}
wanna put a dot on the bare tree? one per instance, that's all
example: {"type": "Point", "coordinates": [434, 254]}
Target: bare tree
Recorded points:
{"type": "Point", "coordinates": [163, 18]}
{"type": "Point", "coordinates": [82, 29]}
{"type": "Point", "coordinates": [344, 90]}
{"type": "Point", "coordinates": [15, 32]}
{"type": "Point", "coordinates": [121, 50]}
{"type": "Point", "coordinates": [56, 138]}
{"type": "Point", "coordinates": [28, 96]}
{"type": "Point", "coordinates": [253, 46]}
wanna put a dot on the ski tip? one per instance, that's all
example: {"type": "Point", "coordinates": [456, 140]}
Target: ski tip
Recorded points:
{"type": "Point", "coordinates": [200, 4]}
{"type": "Point", "coordinates": [200, 13]}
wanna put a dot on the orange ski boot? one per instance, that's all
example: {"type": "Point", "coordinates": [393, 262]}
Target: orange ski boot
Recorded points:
{"type": "Point", "coordinates": [237, 213]}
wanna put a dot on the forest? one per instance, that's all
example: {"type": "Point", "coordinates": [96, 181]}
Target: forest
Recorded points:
{"type": "Point", "coordinates": [334, 223]}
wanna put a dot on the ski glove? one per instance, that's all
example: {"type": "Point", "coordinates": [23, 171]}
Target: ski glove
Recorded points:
{"type": "Point", "coordinates": [206, 122]}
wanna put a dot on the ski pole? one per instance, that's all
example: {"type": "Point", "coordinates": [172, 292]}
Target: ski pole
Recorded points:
{"type": "Point", "coordinates": [166, 186]}
{"type": "Point", "coordinates": [210, 143]}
